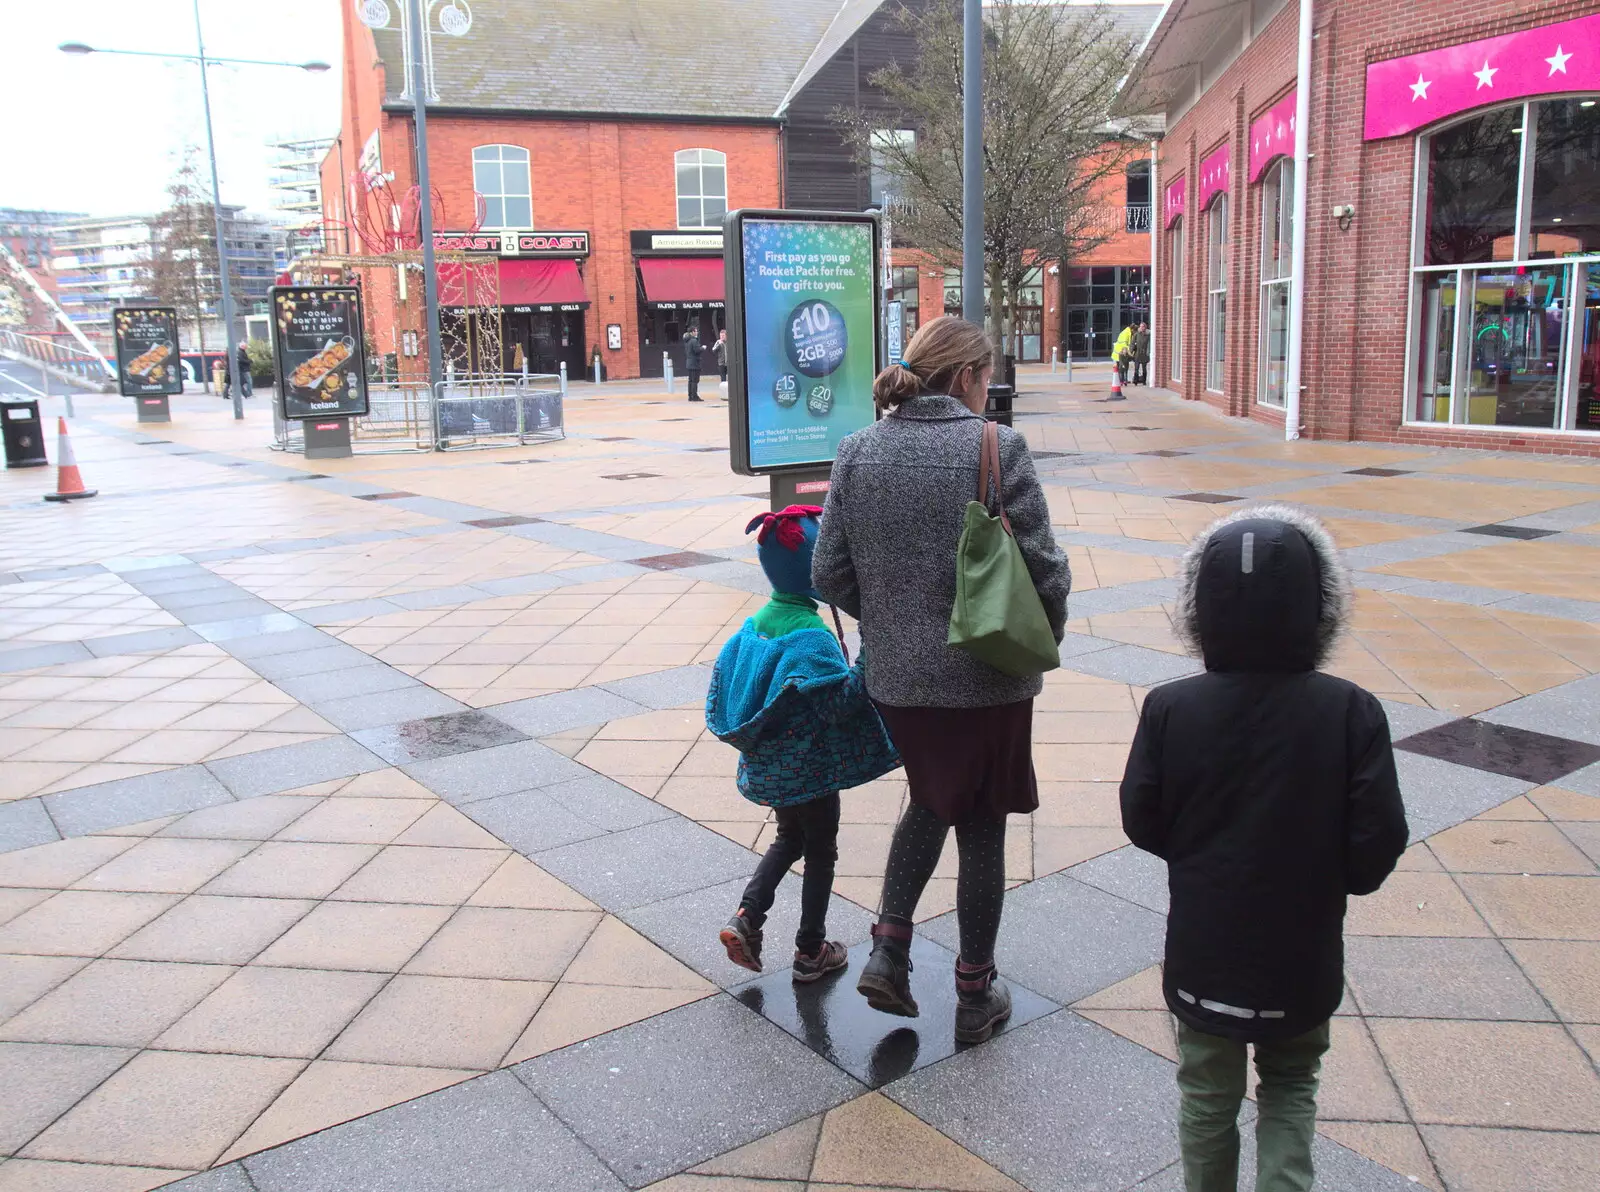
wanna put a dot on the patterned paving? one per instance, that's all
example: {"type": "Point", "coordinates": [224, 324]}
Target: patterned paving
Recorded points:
{"type": "Point", "coordinates": [360, 844]}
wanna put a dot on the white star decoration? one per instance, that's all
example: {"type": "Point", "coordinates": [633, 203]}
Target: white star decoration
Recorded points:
{"type": "Point", "coordinates": [1419, 89]}
{"type": "Point", "coordinates": [1558, 61]}
{"type": "Point", "coordinates": [1485, 76]}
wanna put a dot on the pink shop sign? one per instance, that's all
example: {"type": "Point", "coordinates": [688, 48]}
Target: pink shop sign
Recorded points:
{"type": "Point", "coordinates": [1216, 174]}
{"type": "Point", "coordinates": [1177, 193]}
{"type": "Point", "coordinates": [1405, 94]}
{"type": "Point", "coordinates": [1271, 135]}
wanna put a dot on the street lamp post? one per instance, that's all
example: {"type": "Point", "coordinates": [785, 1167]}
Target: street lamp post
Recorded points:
{"type": "Point", "coordinates": [223, 270]}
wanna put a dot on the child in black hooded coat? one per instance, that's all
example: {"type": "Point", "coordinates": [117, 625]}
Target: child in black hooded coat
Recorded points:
{"type": "Point", "coordinates": [1270, 790]}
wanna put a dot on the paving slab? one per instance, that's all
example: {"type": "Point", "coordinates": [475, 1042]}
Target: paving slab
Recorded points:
{"type": "Point", "coordinates": [1060, 1105]}
{"type": "Point", "coordinates": [346, 682]}
{"type": "Point", "coordinates": [689, 1087]}
{"type": "Point", "coordinates": [665, 689]}
{"type": "Point", "coordinates": [686, 925]}
{"type": "Point", "coordinates": [306, 762]}
{"type": "Point", "coordinates": [631, 869]}
{"type": "Point", "coordinates": [1571, 710]}
{"type": "Point", "coordinates": [502, 770]}
{"type": "Point", "coordinates": [1484, 981]}
{"type": "Point", "coordinates": [145, 641]}
{"type": "Point", "coordinates": [834, 1020]}
{"type": "Point", "coordinates": [1440, 794]}
{"type": "Point", "coordinates": [1137, 665]}
{"type": "Point", "coordinates": [355, 712]}
{"type": "Point", "coordinates": [105, 805]}
{"type": "Point", "coordinates": [24, 823]}
{"type": "Point", "coordinates": [437, 736]}
{"type": "Point", "coordinates": [1129, 873]}
{"type": "Point", "coordinates": [530, 821]}
{"type": "Point", "coordinates": [581, 706]}
{"type": "Point", "coordinates": [1065, 939]}
{"type": "Point", "coordinates": [485, 1135]}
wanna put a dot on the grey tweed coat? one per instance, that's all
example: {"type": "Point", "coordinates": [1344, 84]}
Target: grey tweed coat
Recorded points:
{"type": "Point", "coordinates": [886, 553]}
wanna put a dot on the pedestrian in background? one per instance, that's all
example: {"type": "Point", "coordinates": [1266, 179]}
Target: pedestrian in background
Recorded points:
{"type": "Point", "coordinates": [784, 695]}
{"type": "Point", "coordinates": [887, 556]}
{"type": "Point", "coordinates": [1141, 355]}
{"type": "Point", "coordinates": [1122, 353]}
{"type": "Point", "coordinates": [720, 351]}
{"type": "Point", "coordinates": [242, 361]}
{"type": "Point", "coordinates": [692, 355]}
{"type": "Point", "coordinates": [1269, 788]}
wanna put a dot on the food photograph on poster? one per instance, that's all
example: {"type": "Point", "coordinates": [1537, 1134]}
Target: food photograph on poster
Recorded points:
{"type": "Point", "coordinates": [318, 350]}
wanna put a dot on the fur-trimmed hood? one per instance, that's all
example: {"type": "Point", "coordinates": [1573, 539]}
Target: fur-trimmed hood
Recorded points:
{"type": "Point", "coordinates": [1263, 589]}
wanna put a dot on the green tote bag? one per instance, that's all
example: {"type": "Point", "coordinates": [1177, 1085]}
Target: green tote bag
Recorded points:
{"type": "Point", "coordinates": [998, 617]}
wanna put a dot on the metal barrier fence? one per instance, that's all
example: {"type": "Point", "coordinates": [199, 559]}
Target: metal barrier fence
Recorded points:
{"type": "Point", "coordinates": [464, 413]}
{"type": "Point", "coordinates": [93, 371]}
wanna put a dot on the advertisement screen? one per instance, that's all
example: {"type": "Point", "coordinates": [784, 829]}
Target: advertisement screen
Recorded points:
{"type": "Point", "coordinates": [317, 345]}
{"type": "Point", "coordinates": [810, 337]}
{"type": "Point", "coordinates": [148, 360]}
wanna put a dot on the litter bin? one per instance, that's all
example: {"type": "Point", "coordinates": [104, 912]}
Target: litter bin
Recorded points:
{"type": "Point", "coordinates": [999, 407]}
{"type": "Point", "coordinates": [24, 434]}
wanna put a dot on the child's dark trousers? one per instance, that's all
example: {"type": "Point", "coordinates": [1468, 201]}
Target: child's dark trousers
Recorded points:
{"type": "Point", "coordinates": [809, 830]}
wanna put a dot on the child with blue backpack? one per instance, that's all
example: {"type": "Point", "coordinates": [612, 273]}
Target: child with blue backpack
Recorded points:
{"type": "Point", "coordinates": [784, 694]}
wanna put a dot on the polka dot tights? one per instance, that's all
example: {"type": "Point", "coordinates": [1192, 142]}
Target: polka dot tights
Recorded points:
{"type": "Point", "coordinates": [980, 884]}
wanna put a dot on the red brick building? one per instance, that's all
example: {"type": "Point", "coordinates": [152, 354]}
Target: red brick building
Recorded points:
{"type": "Point", "coordinates": [1452, 228]}
{"type": "Point", "coordinates": [593, 149]}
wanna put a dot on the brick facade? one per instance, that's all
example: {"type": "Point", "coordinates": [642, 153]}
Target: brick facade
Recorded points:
{"type": "Point", "coordinates": [604, 176]}
{"type": "Point", "coordinates": [1357, 296]}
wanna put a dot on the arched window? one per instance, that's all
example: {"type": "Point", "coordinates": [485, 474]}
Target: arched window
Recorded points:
{"type": "Point", "coordinates": [1216, 291]}
{"type": "Point", "coordinates": [500, 176]}
{"type": "Point", "coordinates": [1506, 273]}
{"type": "Point", "coordinates": [1277, 275]}
{"type": "Point", "coordinates": [702, 187]}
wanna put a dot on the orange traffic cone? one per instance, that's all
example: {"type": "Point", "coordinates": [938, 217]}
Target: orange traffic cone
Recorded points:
{"type": "Point", "coordinates": [1116, 385]}
{"type": "Point", "coordinates": [69, 481]}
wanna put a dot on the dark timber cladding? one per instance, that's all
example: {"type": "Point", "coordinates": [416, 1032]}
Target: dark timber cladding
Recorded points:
{"type": "Point", "coordinates": [820, 172]}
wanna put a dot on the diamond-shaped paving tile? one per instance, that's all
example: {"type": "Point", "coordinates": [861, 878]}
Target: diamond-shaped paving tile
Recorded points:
{"type": "Point", "coordinates": [438, 736]}
{"type": "Point", "coordinates": [1166, 453]}
{"type": "Point", "coordinates": [1501, 749]}
{"type": "Point", "coordinates": [1378, 472]}
{"type": "Point", "coordinates": [832, 1019]}
{"type": "Point", "coordinates": [673, 562]}
{"type": "Point", "coordinates": [390, 496]}
{"type": "Point", "coordinates": [1498, 530]}
{"type": "Point", "coordinates": [1205, 498]}
{"type": "Point", "coordinates": [633, 476]}
{"type": "Point", "coordinates": [496, 523]}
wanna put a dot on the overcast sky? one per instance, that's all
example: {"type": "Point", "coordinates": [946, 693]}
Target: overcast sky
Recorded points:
{"type": "Point", "coordinates": [101, 133]}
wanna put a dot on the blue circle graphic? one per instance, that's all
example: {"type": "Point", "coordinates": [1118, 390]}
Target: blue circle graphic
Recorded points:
{"type": "Point", "coordinates": [817, 338]}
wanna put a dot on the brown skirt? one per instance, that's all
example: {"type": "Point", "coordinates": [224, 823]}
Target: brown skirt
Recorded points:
{"type": "Point", "coordinates": [967, 765]}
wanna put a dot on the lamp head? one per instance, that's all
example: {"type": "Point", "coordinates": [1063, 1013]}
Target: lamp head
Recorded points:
{"type": "Point", "coordinates": [75, 47]}
{"type": "Point", "coordinates": [315, 67]}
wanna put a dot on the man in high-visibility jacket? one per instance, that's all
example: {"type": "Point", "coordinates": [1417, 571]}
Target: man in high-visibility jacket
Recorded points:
{"type": "Point", "coordinates": [1122, 352]}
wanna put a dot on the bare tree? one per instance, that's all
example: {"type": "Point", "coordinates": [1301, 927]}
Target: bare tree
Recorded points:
{"type": "Point", "coordinates": [182, 271]}
{"type": "Point", "coordinates": [1050, 73]}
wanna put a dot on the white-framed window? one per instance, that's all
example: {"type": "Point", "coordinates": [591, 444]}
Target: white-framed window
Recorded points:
{"type": "Point", "coordinates": [1505, 300]}
{"type": "Point", "coordinates": [702, 187]}
{"type": "Point", "coordinates": [1277, 276]}
{"type": "Point", "coordinates": [1175, 255]}
{"type": "Point", "coordinates": [1216, 292]}
{"type": "Point", "coordinates": [881, 182]}
{"type": "Point", "coordinates": [500, 176]}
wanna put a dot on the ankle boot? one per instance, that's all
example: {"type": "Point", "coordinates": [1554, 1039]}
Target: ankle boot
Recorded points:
{"type": "Point", "coordinates": [886, 978]}
{"type": "Point", "coordinates": [982, 1002]}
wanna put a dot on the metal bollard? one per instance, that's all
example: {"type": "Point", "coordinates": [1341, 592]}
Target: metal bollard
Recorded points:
{"type": "Point", "coordinates": [563, 378]}
{"type": "Point", "coordinates": [597, 369]}
{"type": "Point", "coordinates": [666, 369]}
{"type": "Point", "coordinates": [1053, 351]}
{"type": "Point", "coordinates": [1069, 364]}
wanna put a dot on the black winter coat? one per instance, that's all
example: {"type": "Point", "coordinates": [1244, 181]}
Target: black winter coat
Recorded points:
{"type": "Point", "coordinates": [692, 352]}
{"type": "Point", "coordinates": [1268, 787]}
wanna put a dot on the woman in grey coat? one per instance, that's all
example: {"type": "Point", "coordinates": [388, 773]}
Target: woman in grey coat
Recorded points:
{"type": "Point", "coordinates": [886, 555]}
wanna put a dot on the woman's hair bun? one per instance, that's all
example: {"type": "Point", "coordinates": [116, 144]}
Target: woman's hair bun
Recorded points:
{"type": "Point", "coordinates": [895, 384]}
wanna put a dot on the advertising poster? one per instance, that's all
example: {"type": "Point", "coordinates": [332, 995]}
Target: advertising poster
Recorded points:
{"type": "Point", "coordinates": [810, 322]}
{"type": "Point", "coordinates": [148, 358]}
{"type": "Point", "coordinates": [316, 343]}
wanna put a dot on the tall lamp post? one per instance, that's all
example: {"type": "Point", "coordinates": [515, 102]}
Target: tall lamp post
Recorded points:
{"type": "Point", "coordinates": [223, 270]}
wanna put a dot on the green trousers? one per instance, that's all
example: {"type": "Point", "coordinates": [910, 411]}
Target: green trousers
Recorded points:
{"type": "Point", "coordinates": [1211, 1077]}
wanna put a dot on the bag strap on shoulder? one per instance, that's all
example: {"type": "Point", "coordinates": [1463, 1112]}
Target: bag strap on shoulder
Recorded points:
{"type": "Point", "coordinates": [989, 459]}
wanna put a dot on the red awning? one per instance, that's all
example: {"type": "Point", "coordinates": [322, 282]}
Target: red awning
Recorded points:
{"type": "Point", "coordinates": [540, 281]}
{"type": "Point", "coordinates": [681, 279]}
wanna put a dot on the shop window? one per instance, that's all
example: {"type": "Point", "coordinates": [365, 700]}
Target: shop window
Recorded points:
{"type": "Point", "coordinates": [1277, 275]}
{"type": "Point", "coordinates": [1175, 255]}
{"type": "Point", "coordinates": [905, 279]}
{"type": "Point", "coordinates": [1503, 329]}
{"type": "Point", "coordinates": [1137, 194]}
{"type": "Point", "coordinates": [702, 187]}
{"type": "Point", "coordinates": [1216, 292]}
{"type": "Point", "coordinates": [500, 176]}
{"type": "Point", "coordinates": [881, 182]}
